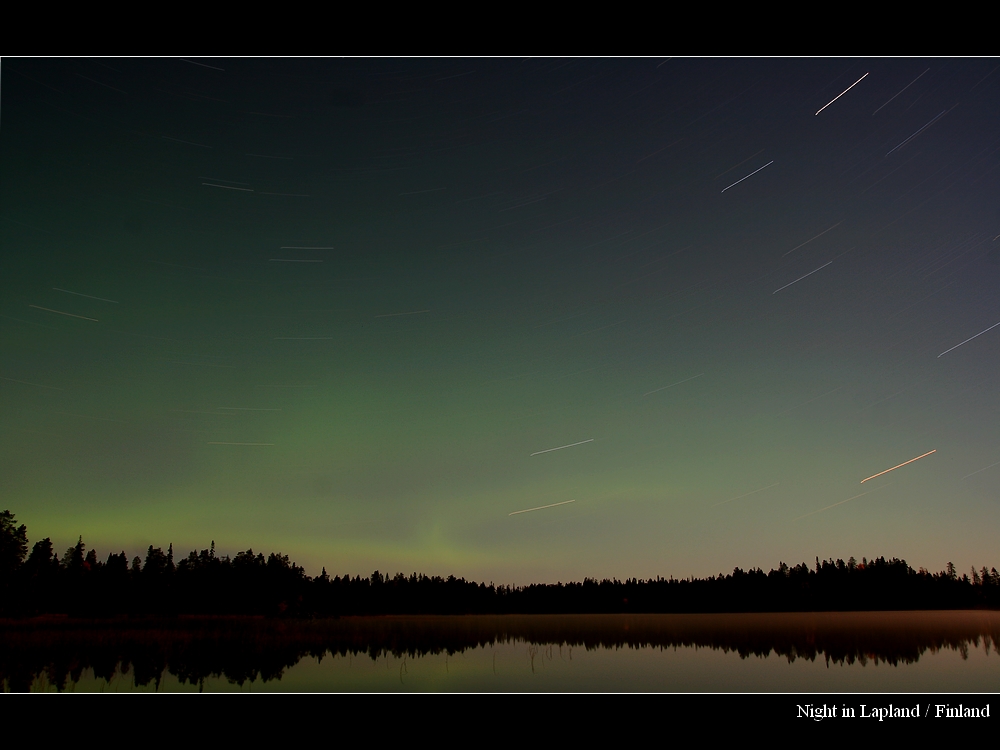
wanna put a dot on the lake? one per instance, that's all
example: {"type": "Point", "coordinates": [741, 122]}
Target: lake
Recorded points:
{"type": "Point", "coordinates": [941, 651]}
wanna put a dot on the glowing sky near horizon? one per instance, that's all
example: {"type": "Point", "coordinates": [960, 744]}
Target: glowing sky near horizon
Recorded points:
{"type": "Point", "coordinates": [362, 311]}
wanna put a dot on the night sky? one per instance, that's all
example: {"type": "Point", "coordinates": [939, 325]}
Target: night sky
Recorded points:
{"type": "Point", "coordinates": [344, 309]}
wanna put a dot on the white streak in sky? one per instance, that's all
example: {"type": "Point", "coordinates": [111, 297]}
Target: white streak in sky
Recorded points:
{"type": "Point", "coordinates": [979, 470]}
{"type": "Point", "coordinates": [297, 247]}
{"type": "Point", "coordinates": [749, 175]}
{"type": "Point", "coordinates": [899, 465]}
{"type": "Point", "coordinates": [942, 114]}
{"type": "Point", "coordinates": [655, 390]}
{"type": "Point", "coordinates": [810, 240]}
{"type": "Point", "coordinates": [541, 507]}
{"type": "Point", "coordinates": [841, 93]}
{"type": "Point", "coordinates": [967, 340]}
{"type": "Point", "coordinates": [55, 288]}
{"type": "Point", "coordinates": [549, 450]}
{"type": "Point", "coordinates": [740, 164]}
{"type": "Point", "coordinates": [902, 90]}
{"type": "Point", "coordinates": [59, 312]}
{"type": "Point", "coordinates": [842, 502]}
{"type": "Point", "coordinates": [801, 277]}
{"type": "Point", "coordinates": [201, 64]}
{"type": "Point", "coordinates": [291, 260]}
{"type": "Point", "coordinates": [227, 187]}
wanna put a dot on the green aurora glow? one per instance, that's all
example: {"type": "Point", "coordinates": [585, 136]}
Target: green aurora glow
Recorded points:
{"type": "Point", "coordinates": [558, 233]}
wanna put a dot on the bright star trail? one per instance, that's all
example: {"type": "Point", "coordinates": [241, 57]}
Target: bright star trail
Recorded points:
{"type": "Point", "coordinates": [842, 93]}
{"type": "Point", "coordinates": [898, 466]}
{"type": "Point", "coordinates": [541, 507]}
{"type": "Point", "coordinates": [549, 450]}
{"type": "Point", "coordinates": [412, 280]}
{"type": "Point", "coordinates": [748, 176]}
{"type": "Point", "coordinates": [968, 339]}
{"type": "Point", "coordinates": [801, 277]}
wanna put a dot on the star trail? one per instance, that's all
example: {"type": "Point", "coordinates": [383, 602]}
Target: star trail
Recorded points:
{"type": "Point", "coordinates": [360, 309]}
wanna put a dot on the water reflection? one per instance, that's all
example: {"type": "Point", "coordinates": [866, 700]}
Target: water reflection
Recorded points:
{"type": "Point", "coordinates": [505, 652]}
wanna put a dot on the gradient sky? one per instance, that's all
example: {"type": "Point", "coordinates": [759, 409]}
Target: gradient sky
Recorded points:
{"type": "Point", "coordinates": [504, 256]}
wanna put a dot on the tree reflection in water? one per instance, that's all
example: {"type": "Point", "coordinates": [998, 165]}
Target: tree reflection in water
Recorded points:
{"type": "Point", "coordinates": [56, 651]}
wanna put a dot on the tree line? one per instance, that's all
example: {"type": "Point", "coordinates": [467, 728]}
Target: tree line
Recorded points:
{"type": "Point", "coordinates": [205, 583]}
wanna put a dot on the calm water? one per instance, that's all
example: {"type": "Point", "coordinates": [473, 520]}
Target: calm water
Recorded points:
{"type": "Point", "coordinates": [798, 652]}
